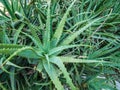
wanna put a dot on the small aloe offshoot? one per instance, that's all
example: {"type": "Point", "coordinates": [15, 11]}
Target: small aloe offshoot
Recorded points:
{"type": "Point", "coordinates": [48, 50]}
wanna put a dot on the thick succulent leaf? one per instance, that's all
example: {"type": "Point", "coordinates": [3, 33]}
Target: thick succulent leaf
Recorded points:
{"type": "Point", "coordinates": [61, 48]}
{"type": "Point", "coordinates": [30, 53]}
{"type": "Point", "coordinates": [35, 41]}
{"type": "Point", "coordinates": [34, 36]}
{"type": "Point", "coordinates": [48, 30]}
{"type": "Point", "coordinates": [53, 75]}
{"type": "Point", "coordinates": [74, 60]}
{"type": "Point", "coordinates": [60, 64]}
{"type": "Point", "coordinates": [24, 52]}
{"type": "Point", "coordinates": [2, 46]}
{"type": "Point", "coordinates": [60, 27]}
{"type": "Point", "coordinates": [12, 78]}
{"type": "Point", "coordinates": [8, 50]}
{"type": "Point", "coordinates": [3, 35]}
{"type": "Point", "coordinates": [12, 48]}
{"type": "Point", "coordinates": [17, 33]}
{"type": "Point", "coordinates": [39, 66]}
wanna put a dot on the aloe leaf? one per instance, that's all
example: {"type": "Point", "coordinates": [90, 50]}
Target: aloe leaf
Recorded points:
{"type": "Point", "coordinates": [53, 75]}
{"type": "Point", "coordinates": [30, 53]}
{"type": "Point", "coordinates": [61, 48]}
{"type": "Point", "coordinates": [35, 36]}
{"type": "Point", "coordinates": [2, 46]}
{"type": "Point", "coordinates": [60, 26]}
{"type": "Point", "coordinates": [74, 60]}
{"type": "Point", "coordinates": [8, 51]}
{"type": "Point", "coordinates": [9, 48]}
{"type": "Point", "coordinates": [60, 64]}
{"type": "Point", "coordinates": [71, 37]}
{"type": "Point", "coordinates": [17, 33]}
{"type": "Point", "coordinates": [37, 43]}
{"type": "Point", "coordinates": [12, 79]}
{"type": "Point", "coordinates": [48, 29]}
{"type": "Point", "coordinates": [39, 66]}
{"type": "Point", "coordinates": [21, 52]}
{"type": "Point", "coordinates": [4, 36]}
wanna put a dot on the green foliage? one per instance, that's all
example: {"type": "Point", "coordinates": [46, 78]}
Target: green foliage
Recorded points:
{"type": "Point", "coordinates": [63, 45]}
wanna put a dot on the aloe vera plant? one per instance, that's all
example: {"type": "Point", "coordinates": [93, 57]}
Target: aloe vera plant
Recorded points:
{"type": "Point", "coordinates": [45, 47]}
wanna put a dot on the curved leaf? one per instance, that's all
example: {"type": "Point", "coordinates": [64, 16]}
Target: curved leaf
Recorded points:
{"type": "Point", "coordinates": [21, 52]}
{"type": "Point", "coordinates": [60, 64]}
{"type": "Point", "coordinates": [60, 27]}
{"type": "Point", "coordinates": [71, 37]}
{"type": "Point", "coordinates": [61, 48]}
{"type": "Point", "coordinates": [53, 75]}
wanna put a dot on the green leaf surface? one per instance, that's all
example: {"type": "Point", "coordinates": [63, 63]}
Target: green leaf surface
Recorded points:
{"type": "Point", "coordinates": [59, 63]}
{"type": "Point", "coordinates": [74, 60]}
{"type": "Point", "coordinates": [48, 30]}
{"type": "Point", "coordinates": [12, 48]}
{"type": "Point", "coordinates": [3, 19]}
{"type": "Point", "coordinates": [16, 36]}
{"type": "Point", "coordinates": [39, 66]}
{"type": "Point", "coordinates": [22, 52]}
{"type": "Point", "coordinates": [34, 36]}
{"type": "Point", "coordinates": [53, 75]}
{"type": "Point", "coordinates": [61, 48]}
{"type": "Point", "coordinates": [60, 26]}
{"type": "Point", "coordinates": [71, 37]}
{"type": "Point", "coordinates": [12, 79]}
{"type": "Point", "coordinates": [7, 5]}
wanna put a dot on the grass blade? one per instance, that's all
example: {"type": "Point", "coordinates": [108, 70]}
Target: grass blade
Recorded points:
{"type": "Point", "coordinates": [71, 37]}
{"type": "Point", "coordinates": [8, 7]}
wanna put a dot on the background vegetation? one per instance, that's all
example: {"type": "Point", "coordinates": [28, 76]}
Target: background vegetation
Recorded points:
{"type": "Point", "coordinates": [59, 44]}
